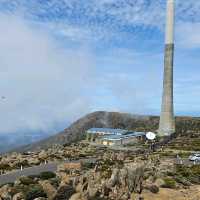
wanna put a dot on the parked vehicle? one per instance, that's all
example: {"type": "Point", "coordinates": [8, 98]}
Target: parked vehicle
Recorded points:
{"type": "Point", "coordinates": [195, 157]}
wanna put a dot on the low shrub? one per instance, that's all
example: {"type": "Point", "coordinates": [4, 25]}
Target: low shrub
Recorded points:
{"type": "Point", "coordinates": [55, 182]}
{"type": "Point", "coordinates": [34, 176]}
{"type": "Point", "coordinates": [106, 173]}
{"type": "Point", "coordinates": [194, 179]}
{"type": "Point", "coordinates": [170, 173]}
{"type": "Point", "coordinates": [167, 154]}
{"type": "Point", "coordinates": [34, 191]}
{"type": "Point", "coordinates": [19, 188]}
{"type": "Point", "coordinates": [183, 171]}
{"type": "Point", "coordinates": [64, 192]}
{"type": "Point", "coordinates": [5, 166]}
{"type": "Point", "coordinates": [195, 169]}
{"type": "Point", "coordinates": [180, 179]}
{"type": "Point", "coordinates": [105, 168]}
{"type": "Point", "coordinates": [184, 154]}
{"type": "Point", "coordinates": [47, 175]}
{"type": "Point", "coordinates": [154, 189]}
{"type": "Point", "coordinates": [87, 165]}
{"type": "Point", "coordinates": [26, 180]}
{"type": "Point", "coordinates": [10, 184]}
{"type": "Point", "coordinates": [23, 163]}
{"type": "Point", "coordinates": [169, 183]}
{"type": "Point", "coordinates": [192, 174]}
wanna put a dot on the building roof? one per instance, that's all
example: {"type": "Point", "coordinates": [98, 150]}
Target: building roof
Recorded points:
{"type": "Point", "coordinates": [123, 136]}
{"type": "Point", "coordinates": [107, 130]}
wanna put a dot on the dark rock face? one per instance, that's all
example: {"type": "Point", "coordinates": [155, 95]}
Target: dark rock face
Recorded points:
{"type": "Point", "coordinates": [102, 119]}
{"type": "Point", "coordinates": [64, 192]}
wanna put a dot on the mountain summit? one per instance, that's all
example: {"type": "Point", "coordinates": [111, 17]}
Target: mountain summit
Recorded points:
{"type": "Point", "coordinates": [103, 119]}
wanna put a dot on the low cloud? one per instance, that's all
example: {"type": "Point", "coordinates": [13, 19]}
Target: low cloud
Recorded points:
{"type": "Point", "coordinates": [130, 84]}
{"type": "Point", "coordinates": [43, 84]}
{"type": "Point", "coordinates": [188, 35]}
{"type": "Point", "coordinates": [48, 72]}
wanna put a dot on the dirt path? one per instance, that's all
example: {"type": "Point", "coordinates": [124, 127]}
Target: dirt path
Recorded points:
{"type": "Point", "coordinates": [168, 194]}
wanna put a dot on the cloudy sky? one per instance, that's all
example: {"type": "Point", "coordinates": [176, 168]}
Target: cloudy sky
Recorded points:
{"type": "Point", "coordinates": [61, 59]}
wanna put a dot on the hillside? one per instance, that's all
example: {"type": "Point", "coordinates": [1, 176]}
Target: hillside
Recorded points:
{"type": "Point", "coordinates": [112, 120]}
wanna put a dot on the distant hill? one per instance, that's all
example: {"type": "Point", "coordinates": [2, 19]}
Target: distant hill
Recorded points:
{"type": "Point", "coordinates": [111, 120]}
{"type": "Point", "coordinates": [12, 140]}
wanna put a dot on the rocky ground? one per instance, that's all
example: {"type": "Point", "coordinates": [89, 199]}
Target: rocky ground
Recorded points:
{"type": "Point", "coordinates": [57, 153]}
{"type": "Point", "coordinates": [114, 175]}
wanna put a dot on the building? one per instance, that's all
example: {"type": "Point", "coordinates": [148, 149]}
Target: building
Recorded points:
{"type": "Point", "coordinates": [105, 131]}
{"type": "Point", "coordinates": [131, 137]}
{"type": "Point", "coordinates": [110, 137]}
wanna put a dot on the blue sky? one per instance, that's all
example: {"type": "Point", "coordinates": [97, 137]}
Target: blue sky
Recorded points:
{"type": "Point", "coordinates": [61, 59]}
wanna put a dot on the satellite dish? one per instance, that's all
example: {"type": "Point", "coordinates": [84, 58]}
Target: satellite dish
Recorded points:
{"type": "Point", "coordinates": [150, 135]}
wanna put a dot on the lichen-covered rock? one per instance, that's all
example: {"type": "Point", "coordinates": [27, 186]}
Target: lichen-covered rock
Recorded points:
{"type": "Point", "coordinates": [64, 178]}
{"type": "Point", "coordinates": [5, 192]}
{"type": "Point", "coordinates": [18, 196]}
{"type": "Point", "coordinates": [40, 198]}
{"type": "Point", "coordinates": [33, 161]}
{"type": "Point", "coordinates": [76, 196]}
{"type": "Point", "coordinates": [92, 189]}
{"type": "Point", "coordinates": [43, 155]}
{"type": "Point", "coordinates": [64, 192]}
{"type": "Point", "coordinates": [114, 178]}
{"type": "Point", "coordinates": [159, 182]}
{"type": "Point", "coordinates": [48, 189]}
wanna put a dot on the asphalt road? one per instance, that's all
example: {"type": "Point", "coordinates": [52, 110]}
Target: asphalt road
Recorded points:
{"type": "Point", "coordinates": [12, 176]}
{"type": "Point", "coordinates": [186, 162]}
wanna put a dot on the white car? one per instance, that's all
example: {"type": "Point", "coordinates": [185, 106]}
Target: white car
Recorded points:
{"type": "Point", "coordinates": [195, 157]}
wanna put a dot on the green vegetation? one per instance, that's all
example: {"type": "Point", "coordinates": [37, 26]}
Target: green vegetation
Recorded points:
{"type": "Point", "coordinates": [169, 183]}
{"type": "Point", "coordinates": [64, 192]}
{"type": "Point", "coordinates": [107, 165]}
{"type": "Point", "coordinates": [10, 184]}
{"type": "Point", "coordinates": [184, 154]}
{"type": "Point", "coordinates": [87, 165]}
{"type": "Point", "coordinates": [191, 174]}
{"type": "Point", "coordinates": [174, 153]}
{"type": "Point", "coordinates": [27, 180]}
{"type": "Point", "coordinates": [47, 175]}
{"type": "Point", "coordinates": [167, 154]}
{"type": "Point", "coordinates": [4, 167]}
{"type": "Point", "coordinates": [34, 176]}
{"type": "Point", "coordinates": [154, 189]}
{"type": "Point", "coordinates": [55, 181]}
{"type": "Point", "coordinates": [34, 191]}
{"type": "Point", "coordinates": [106, 168]}
{"type": "Point", "coordinates": [182, 180]}
{"type": "Point", "coordinates": [186, 144]}
{"type": "Point", "coordinates": [24, 163]}
{"type": "Point", "coordinates": [17, 189]}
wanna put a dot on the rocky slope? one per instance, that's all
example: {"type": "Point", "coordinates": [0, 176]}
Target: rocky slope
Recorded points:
{"type": "Point", "coordinates": [111, 176]}
{"type": "Point", "coordinates": [111, 120]}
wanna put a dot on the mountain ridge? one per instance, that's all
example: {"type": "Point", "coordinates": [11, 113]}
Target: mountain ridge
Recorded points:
{"type": "Point", "coordinates": [103, 119]}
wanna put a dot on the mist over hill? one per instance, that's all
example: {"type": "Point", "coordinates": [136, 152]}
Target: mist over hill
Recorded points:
{"type": "Point", "coordinates": [100, 119]}
{"type": "Point", "coordinates": [14, 140]}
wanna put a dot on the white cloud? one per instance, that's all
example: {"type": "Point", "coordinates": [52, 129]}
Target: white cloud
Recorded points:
{"type": "Point", "coordinates": [101, 20]}
{"type": "Point", "coordinates": [130, 84]}
{"type": "Point", "coordinates": [43, 83]}
{"type": "Point", "coordinates": [188, 35]}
